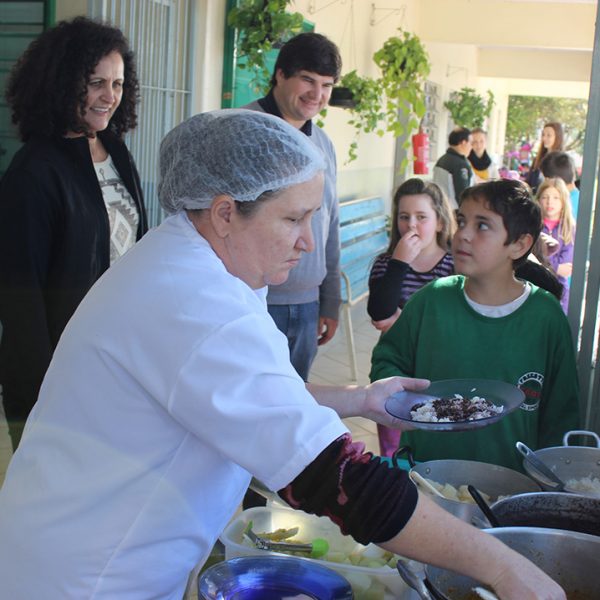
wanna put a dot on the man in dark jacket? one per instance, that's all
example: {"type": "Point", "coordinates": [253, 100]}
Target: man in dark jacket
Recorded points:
{"type": "Point", "coordinates": [453, 172]}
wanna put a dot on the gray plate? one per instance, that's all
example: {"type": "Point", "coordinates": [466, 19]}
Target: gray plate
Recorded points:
{"type": "Point", "coordinates": [496, 392]}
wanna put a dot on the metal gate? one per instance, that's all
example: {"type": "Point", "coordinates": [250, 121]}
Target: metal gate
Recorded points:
{"type": "Point", "coordinates": [159, 32]}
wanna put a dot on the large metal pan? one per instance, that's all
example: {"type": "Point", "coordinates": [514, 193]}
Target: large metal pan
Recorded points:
{"type": "Point", "coordinates": [555, 510]}
{"type": "Point", "coordinates": [568, 462]}
{"type": "Point", "coordinates": [572, 559]}
{"type": "Point", "coordinates": [491, 479]}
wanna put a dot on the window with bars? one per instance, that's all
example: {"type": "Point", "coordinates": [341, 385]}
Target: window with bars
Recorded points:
{"type": "Point", "coordinates": [159, 33]}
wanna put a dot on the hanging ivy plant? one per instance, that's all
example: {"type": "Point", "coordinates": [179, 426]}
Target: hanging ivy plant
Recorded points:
{"type": "Point", "coordinates": [404, 65]}
{"type": "Point", "coordinates": [261, 25]}
{"type": "Point", "coordinates": [367, 114]}
{"type": "Point", "coordinates": [468, 108]}
{"type": "Point", "coordinates": [394, 102]}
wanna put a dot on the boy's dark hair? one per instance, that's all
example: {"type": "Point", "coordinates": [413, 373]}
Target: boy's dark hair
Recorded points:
{"type": "Point", "coordinates": [458, 135]}
{"type": "Point", "coordinates": [558, 164]}
{"type": "Point", "coordinates": [47, 87]}
{"type": "Point", "coordinates": [308, 52]}
{"type": "Point", "coordinates": [512, 200]}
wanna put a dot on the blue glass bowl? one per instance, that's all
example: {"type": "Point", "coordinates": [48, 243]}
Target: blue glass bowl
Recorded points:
{"type": "Point", "coordinates": [272, 578]}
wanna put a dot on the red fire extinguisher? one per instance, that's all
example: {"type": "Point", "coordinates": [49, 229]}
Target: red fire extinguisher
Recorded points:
{"type": "Point", "coordinates": [420, 143]}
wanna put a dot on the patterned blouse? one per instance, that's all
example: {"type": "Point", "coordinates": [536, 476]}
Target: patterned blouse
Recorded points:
{"type": "Point", "coordinates": [392, 282]}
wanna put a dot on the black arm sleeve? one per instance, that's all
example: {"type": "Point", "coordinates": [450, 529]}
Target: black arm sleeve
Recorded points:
{"type": "Point", "coordinates": [384, 292]}
{"type": "Point", "coordinates": [365, 496]}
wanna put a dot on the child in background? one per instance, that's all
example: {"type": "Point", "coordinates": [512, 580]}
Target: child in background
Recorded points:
{"type": "Point", "coordinates": [487, 324]}
{"type": "Point", "coordinates": [558, 231]}
{"type": "Point", "coordinates": [418, 253]}
{"type": "Point", "coordinates": [560, 164]}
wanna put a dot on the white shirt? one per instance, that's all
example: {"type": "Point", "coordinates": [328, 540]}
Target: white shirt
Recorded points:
{"type": "Point", "coordinates": [501, 310]}
{"type": "Point", "coordinates": [123, 216]}
{"type": "Point", "coordinates": [169, 388]}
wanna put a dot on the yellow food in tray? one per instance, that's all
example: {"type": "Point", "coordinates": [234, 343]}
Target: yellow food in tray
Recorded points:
{"type": "Point", "coordinates": [368, 556]}
{"type": "Point", "coordinates": [370, 570]}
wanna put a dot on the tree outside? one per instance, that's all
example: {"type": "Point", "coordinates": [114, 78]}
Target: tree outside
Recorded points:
{"type": "Point", "coordinates": [527, 115]}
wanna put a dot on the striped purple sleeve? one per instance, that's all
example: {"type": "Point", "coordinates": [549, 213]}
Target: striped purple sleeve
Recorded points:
{"type": "Point", "coordinates": [362, 493]}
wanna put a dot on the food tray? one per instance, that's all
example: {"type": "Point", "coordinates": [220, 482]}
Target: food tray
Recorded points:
{"type": "Point", "coordinates": [368, 583]}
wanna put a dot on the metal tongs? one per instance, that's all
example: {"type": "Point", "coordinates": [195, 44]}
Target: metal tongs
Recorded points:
{"type": "Point", "coordinates": [317, 548]}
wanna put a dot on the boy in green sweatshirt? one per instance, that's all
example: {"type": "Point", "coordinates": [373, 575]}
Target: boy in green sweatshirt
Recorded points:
{"type": "Point", "coordinates": [486, 324]}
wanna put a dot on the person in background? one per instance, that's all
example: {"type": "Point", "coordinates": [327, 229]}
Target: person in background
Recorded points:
{"type": "Point", "coordinates": [419, 252]}
{"type": "Point", "coordinates": [552, 140]}
{"type": "Point", "coordinates": [306, 307]}
{"type": "Point", "coordinates": [484, 323]}
{"type": "Point", "coordinates": [155, 413]}
{"type": "Point", "coordinates": [483, 166]}
{"type": "Point", "coordinates": [71, 201]}
{"type": "Point", "coordinates": [558, 231]}
{"type": "Point", "coordinates": [452, 172]}
{"type": "Point", "coordinates": [560, 164]}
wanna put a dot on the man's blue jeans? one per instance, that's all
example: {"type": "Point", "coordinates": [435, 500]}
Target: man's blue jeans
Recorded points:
{"type": "Point", "coordinates": [300, 323]}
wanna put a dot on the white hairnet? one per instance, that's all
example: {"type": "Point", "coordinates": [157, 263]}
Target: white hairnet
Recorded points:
{"type": "Point", "coordinates": [240, 153]}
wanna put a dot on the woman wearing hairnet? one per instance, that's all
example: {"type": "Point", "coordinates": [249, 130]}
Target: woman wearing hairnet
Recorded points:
{"type": "Point", "coordinates": [171, 387]}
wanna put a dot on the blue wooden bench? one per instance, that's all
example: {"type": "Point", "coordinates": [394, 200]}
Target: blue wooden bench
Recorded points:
{"type": "Point", "coordinates": [363, 235]}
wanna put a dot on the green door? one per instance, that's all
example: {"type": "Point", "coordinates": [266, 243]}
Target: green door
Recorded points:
{"type": "Point", "coordinates": [20, 23]}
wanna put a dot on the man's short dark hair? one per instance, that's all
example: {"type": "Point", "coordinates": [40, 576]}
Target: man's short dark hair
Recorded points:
{"type": "Point", "coordinates": [558, 164]}
{"type": "Point", "coordinates": [458, 135]}
{"type": "Point", "coordinates": [308, 52]}
{"type": "Point", "coordinates": [512, 200]}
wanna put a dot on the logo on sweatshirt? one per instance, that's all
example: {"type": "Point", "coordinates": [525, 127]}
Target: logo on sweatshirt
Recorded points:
{"type": "Point", "coordinates": [531, 385]}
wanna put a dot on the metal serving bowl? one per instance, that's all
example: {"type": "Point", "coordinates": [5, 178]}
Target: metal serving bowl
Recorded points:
{"type": "Point", "coordinates": [568, 462]}
{"type": "Point", "coordinates": [572, 559]}
{"type": "Point", "coordinates": [491, 479]}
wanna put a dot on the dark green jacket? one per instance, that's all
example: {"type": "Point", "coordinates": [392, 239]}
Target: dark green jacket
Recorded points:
{"type": "Point", "coordinates": [439, 336]}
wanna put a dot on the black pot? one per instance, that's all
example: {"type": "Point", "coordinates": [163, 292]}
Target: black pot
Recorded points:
{"type": "Point", "coordinates": [342, 97]}
{"type": "Point", "coordinates": [555, 510]}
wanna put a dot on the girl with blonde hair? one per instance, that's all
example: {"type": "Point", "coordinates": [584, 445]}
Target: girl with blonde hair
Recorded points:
{"type": "Point", "coordinates": [558, 232]}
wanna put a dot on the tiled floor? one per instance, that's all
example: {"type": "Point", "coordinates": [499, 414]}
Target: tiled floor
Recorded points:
{"type": "Point", "coordinates": [332, 366]}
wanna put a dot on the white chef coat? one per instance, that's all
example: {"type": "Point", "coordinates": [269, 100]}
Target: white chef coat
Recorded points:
{"type": "Point", "coordinates": [169, 388]}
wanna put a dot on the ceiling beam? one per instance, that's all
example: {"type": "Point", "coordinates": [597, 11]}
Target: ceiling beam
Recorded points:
{"type": "Point", "coordinates": [505, 23]}
{"type": "Point", "coordinates": [534, 64]}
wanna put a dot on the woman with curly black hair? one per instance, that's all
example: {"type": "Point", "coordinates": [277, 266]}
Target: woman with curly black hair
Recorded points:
{"type": "Point", "coordinates": [71, 200]}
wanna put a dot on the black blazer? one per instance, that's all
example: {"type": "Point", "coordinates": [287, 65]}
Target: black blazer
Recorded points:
{"type": "Point", "coordinates": [54, 244]}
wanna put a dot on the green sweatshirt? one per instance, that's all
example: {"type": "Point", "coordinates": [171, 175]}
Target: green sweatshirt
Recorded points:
{"type": "Point", "coordinates": [439, 336]}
